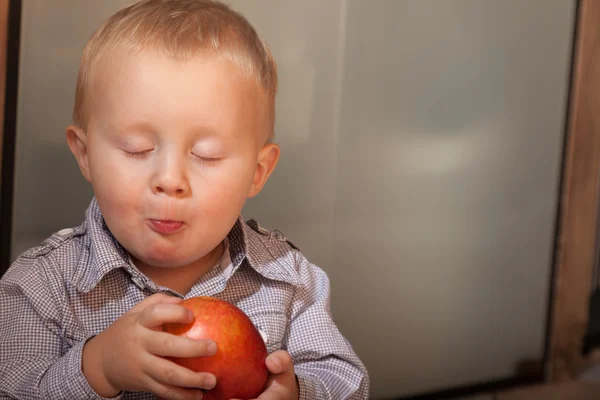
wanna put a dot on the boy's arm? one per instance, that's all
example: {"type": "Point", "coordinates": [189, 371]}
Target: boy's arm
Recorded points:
{"type": "Point", "coordinates": [31, 340]}
{"type": "Point", "coordinates": [324, 361]}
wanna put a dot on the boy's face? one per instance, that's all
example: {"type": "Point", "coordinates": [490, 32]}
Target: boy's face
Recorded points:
{"type": "Point", "coordinates": [173, 149]}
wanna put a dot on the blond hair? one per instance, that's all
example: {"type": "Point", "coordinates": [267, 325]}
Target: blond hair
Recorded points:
{"type": "Point", "coordinates": [182, 29]}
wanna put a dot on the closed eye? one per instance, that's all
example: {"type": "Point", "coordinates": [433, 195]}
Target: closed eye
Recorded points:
{"type": "Point", "coordinates": [205, 159]}
{"type": "Point", "coordinates": [138, 154]}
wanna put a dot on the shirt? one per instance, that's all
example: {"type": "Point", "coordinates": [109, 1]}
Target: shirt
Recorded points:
{"type": "Point", "coordinates": [58, 295]}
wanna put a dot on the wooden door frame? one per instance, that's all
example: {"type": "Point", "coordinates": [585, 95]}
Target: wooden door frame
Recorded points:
{"type": "Point", "coordinates": [577, 235]}
{"type": "Point", "coordinates": [4, 9]}
{"type": "Point", "coordinates": [10, 12]}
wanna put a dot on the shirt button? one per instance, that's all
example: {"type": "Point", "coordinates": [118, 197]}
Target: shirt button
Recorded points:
{"type": "Point", "coordinates": [278, 235]}
{"type": "Point", "coordinates": [65, 232]}
{"type": "Point", "coordinates": [138, 282]}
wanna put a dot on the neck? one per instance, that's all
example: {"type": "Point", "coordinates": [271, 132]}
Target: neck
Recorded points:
{"type": "Point", "coordinates": [181, 279]}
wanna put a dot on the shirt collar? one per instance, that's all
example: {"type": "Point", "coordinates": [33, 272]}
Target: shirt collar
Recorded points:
{"type": "Point", "coordinates": [267, 254]}
{"type": "Point", "coordinates": [102, 254]}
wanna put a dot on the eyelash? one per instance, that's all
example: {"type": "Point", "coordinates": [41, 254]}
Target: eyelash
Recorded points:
{"type": "Point", "coordinates": [137, 154]}
{"type": "Point", "coordinates": [145, 153]}
{"type": "Point", "coordinates": [207, 160]}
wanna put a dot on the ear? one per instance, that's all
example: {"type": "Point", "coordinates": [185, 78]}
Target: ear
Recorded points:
{"type": "Point", "coordinates": [267, 160]}
{"type": "Point", "coordinates": [77, 141]}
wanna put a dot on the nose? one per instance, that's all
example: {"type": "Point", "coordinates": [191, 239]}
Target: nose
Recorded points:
{"type": "Point", "coordinates": [171, 178]}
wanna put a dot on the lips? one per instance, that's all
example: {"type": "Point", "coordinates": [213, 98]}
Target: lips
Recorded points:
{"type": "Point", "coordinates": [166, 227]}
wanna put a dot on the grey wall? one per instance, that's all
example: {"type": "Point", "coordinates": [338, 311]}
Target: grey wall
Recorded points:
{"type": "Point", "coordinates": [421, 152]}
{"type": "Point", "coordinates": [446, 191]}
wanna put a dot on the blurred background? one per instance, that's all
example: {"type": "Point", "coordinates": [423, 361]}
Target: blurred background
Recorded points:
{"type": "Point", "coordinates": [422, 147]}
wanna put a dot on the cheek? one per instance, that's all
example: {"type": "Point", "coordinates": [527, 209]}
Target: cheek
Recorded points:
{"type": "Point", "coordinates": [114, 184]}
{"type": "Point", "coordinates": [227, 195]}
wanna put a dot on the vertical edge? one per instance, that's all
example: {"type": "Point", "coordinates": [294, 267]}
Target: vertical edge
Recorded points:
{"type": "Point", "coordinates": [3, 49]}
{"type": "Point", "coordinates": [9, 131]}
{"type": "Point", "coordinates": [576, 235]}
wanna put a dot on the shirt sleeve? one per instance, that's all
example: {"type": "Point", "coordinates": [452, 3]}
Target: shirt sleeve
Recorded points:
{"type": "Point", "coordinates": [35, 360]}
{"type": "Point", "coordinates": [325, 363]}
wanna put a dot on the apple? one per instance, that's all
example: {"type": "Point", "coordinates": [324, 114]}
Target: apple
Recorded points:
{"type": "Point", "coordinates": [239, 364]}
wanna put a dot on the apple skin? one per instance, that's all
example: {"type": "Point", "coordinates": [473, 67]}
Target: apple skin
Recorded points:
{"type": "Point", "coordinates": [239, 364]}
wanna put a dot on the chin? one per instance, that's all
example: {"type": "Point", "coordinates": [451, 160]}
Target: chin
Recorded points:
{"type": "Point", "coordinates": [170, 260]}
{"type": "Point", "coordinates": [165, 254]}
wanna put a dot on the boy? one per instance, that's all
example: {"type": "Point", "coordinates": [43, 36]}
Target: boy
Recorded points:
{"type": "Point", "coordinates": [173, 121]}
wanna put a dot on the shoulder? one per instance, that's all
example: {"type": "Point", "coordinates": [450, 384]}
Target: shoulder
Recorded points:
{"type": "Point", "coordinates": [39, 280]}
{"type": "Point", "coordinates": [273, 246]}
{"type": "Point", "coordinates": [53, 259]}
{"type": "Point", "coordinates": [274, 237]}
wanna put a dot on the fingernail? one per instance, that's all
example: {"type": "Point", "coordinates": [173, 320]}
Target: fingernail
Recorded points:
{"type": "Point", "coordinates": [211, 349]}
{"type": "Point", "coordinates": [190, 315]}
{"type": "Point", "coordinates": [210, 382]}
{"type": "Point", "coordinates": [199, 395]}
{"type": "Point", "coordinates": [276, 361]}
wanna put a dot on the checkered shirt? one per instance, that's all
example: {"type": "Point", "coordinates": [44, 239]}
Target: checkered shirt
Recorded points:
{"type": "Point", "coordinates": [56, 296]}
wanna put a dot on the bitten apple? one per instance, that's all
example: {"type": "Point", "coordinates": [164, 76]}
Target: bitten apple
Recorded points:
{"type": "Point", "coordinates": [239, 364]}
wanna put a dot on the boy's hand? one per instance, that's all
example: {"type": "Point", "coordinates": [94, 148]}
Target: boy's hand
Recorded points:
{"type": "Point", "coordinates": [282, 384]}
{"type": "Point", "coordinates": [128, 355]}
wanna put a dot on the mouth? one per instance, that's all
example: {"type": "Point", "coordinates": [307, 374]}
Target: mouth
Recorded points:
{"type": "Point", "coordinates": [166, 227]}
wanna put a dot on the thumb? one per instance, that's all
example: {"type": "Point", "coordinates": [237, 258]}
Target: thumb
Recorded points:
{"type": "Point", "coordinates": [157, 298]}
{"type": "Point", "coordinates": [279, 362]}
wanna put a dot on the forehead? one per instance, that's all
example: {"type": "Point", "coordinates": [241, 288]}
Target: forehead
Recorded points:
{"type": "Point", "coordinates": [149, 83]}
{"type": "Point", "coordinates": [151, 68]}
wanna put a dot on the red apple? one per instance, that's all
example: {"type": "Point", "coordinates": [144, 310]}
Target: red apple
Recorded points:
{"type": "Point", "coordinates": [239, 364]}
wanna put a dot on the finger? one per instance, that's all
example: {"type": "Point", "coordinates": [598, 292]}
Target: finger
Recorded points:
{"type": "Point", "coordinates": [159, 314]}
{"type": "Point", "coordinates": [166, 344]}
{"type": "Point", "coordinates": [155, 299]}
{"type": "Point", "coordinates": [167, 373]}
{"type": "Point", "coordinates": [278, 387]}
{"type": "Point", "coordinates": [165, 392]}
{"type": "Point", "coordinates": [280, 362]}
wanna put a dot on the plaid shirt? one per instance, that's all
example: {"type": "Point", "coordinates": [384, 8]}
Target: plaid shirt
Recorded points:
{"type": "Point", "coordinates": [58, 295]}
